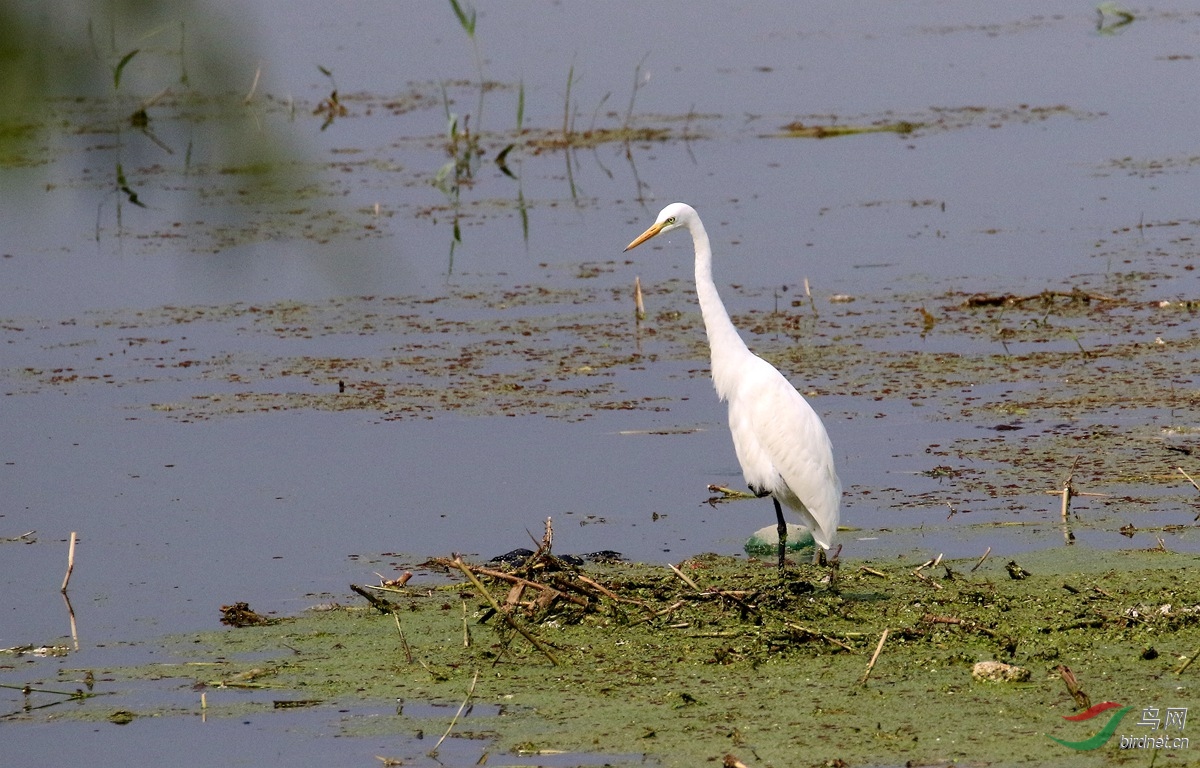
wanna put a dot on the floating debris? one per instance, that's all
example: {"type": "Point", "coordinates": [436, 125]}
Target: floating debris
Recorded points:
{"type": "Point", "coordinates": [765, 541]}
{"type": "Point", "coordinates": [240, 615]}
{"type": "Point", "coordinates": [999, 672]}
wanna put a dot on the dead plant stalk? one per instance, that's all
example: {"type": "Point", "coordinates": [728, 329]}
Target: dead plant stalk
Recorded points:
{"type": "Point", "coordinates": [503, 613]}
{"type": "Point", "coordinates": [874, 658]}
{"type": "Point", "coordinates": [458, 714]}
{"type": "Point", "coordinates": [986, 552]}
{"type": "Point", "coordinates": [70, 562]}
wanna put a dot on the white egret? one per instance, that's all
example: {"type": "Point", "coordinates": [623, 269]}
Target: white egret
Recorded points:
{"type": "Point", "coordinates": [779, 439]}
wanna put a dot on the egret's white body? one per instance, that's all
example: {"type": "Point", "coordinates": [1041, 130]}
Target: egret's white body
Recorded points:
{"type": "Point", "coordinates": [780, 440]}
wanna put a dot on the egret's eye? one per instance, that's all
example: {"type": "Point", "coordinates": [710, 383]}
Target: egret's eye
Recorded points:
{"type": "Point", "coordinates": [671, 220]}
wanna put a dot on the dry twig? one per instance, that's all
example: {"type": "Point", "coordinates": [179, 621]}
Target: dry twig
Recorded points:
{"type": "Point", "coordinates": [1179, 469]}
{"type": "Point", "coordinates": [874, 657]}
{"type": "Point", "coordinates": [664, 612]}
{"type": "Point", "coordinates": [458, 714]}
{"type": "Point", "coordinates": [383, 605]}
{"type": "Point", "coordinates": [1194, 485]}
{"type": "Point", "coordinates": [391, 585]}
{"type": "Point", "coordinates": [70, 561]}
{"type": "Point", "coordinates": [812, 633]}
{"type": "Point", "coordinates": [407, 651]}
{"type": "Point", "coordinates": [923, 577]}
{"type": "Point", "coordinates": [986, 552]}
{"type": "Point", "coordinates": [505, 614]}
{"type": "Point", "coordinates": [684, 576]}
{"type": "Point", "coordinates": [930, 618]}
{"type": "Point", "coordinates": [511, 578]}
{"type": "Point", "coordinates": [1187, 662]}
{"type": "Point", "coordinates": [466, 630]}
{"type": "Point", "coordinates": [729, 493]}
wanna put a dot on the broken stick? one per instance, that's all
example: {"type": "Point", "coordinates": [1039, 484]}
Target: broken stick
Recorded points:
{"type": "Point", "coordinates": [987, 552]}
{"type": "Point", "coordinates": [458, 714]}
{"type": "Point", "coordinates": [503, 614]}
{"type": "Point", "coordinates": [70, 562]}
{"type": "Point", "coordinates": [874, 657]}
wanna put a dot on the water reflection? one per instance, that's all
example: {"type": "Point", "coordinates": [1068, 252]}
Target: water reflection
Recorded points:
{"type": "Point", "coordinates": [188, 58]}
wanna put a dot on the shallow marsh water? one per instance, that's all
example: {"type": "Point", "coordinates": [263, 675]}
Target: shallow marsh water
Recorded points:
{"type": "Point", "coordinates": [173, 371]}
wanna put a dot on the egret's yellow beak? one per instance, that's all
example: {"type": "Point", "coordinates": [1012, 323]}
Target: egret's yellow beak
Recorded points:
{"type": "Point", "coordinates": [649, 233]}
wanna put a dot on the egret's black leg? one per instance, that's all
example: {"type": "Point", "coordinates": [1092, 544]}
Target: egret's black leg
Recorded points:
{"type": "Point", "coordinates": [782, 535]}
{"type": "Point", "coordinates": [782, 529]}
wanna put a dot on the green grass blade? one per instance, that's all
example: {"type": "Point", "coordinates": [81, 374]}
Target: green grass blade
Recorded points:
{"type": "Point", "coordinates": [467, 22]}
{"type": "Point", "coordinates": [502, 161]}
{"type": "Point", "coordinates": [520, 105]}
{"type": "Point", "coordinates": [567, 102]}
{"type": "Point", "coordinates": [121, 66]}
{"type": "Point", "coordinates": [446, 103]}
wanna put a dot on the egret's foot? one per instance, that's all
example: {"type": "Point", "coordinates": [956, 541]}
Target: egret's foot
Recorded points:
{"type": "Point", "coordinates": [833, 575]}
{"type": "Point", "coordinates": [835, 563]}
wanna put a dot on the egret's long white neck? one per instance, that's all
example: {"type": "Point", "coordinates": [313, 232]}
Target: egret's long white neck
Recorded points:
{"type": "Point", "coordinates": [725, 345]}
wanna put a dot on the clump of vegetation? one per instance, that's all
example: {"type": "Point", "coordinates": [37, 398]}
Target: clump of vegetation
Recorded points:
{"type": "Point", "coordinates": [799, 130]}
{"type": "Point", "coordinates": [718, 656]}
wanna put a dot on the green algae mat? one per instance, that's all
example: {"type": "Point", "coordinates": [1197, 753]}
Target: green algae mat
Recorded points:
{"type": "Point", "coordinates": [718, 661]}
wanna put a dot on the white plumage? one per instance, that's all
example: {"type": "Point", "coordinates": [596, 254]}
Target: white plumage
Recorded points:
{"type": "Point", "coordinates": [780, 441]}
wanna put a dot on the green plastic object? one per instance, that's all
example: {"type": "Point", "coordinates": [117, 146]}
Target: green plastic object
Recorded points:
{"type": "Point", "coordinates": [765, 541]}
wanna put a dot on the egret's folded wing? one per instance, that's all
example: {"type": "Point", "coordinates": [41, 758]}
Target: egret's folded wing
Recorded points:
{"type": "Point", "coordinates": [778, 436]}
